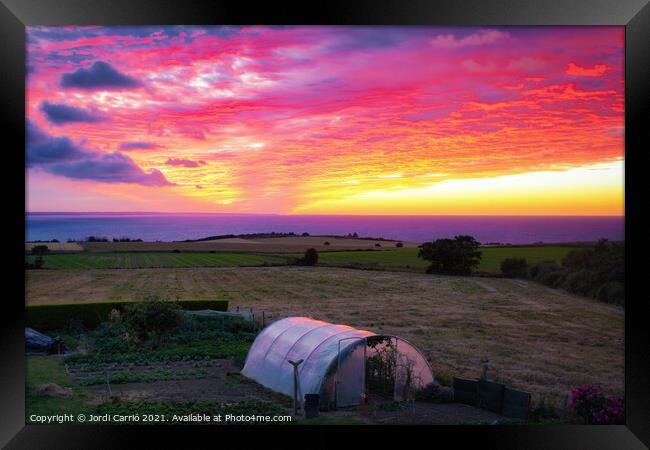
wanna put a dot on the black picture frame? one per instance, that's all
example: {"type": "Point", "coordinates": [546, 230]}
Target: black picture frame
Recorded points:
{"type": "Point", "coordinates": [633, 14]}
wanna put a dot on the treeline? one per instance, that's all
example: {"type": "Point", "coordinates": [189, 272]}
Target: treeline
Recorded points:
{"type": "Point", "coordinates": [245, 236]}
{"type": "Point", "coordinates": [105, 239]}
{"type": "Point", "coordinates": [597, 272]}
{"type": "Point", "coordinates": [274, 234]}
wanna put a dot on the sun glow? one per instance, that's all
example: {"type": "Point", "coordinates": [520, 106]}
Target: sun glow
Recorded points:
{"type": "Point", "coordinates": [341, 120]}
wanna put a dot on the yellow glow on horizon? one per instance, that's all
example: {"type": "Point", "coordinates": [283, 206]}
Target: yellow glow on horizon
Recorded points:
{"type": "Point", "coordinates": [577, 191]}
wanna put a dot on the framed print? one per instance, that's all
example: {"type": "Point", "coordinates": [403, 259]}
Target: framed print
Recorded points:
{"type": "Point", "coordinates": [367, 214]}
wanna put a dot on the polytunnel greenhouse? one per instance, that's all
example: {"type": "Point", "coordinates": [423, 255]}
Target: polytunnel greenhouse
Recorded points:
{"type": "Point", "coordinates": [342, 364]}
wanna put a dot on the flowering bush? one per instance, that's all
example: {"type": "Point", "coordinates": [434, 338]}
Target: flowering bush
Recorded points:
{"type": "Point", "coordinates": [590, 403]}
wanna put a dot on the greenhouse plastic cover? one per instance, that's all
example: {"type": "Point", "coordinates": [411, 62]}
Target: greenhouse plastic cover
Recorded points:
{"type": "Point", "coordinates": [294, 338]}
{"type": "Point", "coordinates": [314, 341]}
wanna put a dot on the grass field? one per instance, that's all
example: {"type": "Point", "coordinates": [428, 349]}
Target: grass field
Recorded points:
{"type": "Point", "coordinates": [152, 260]}
{"type": "Point", "coordinates": [258, 245]}
{"type": "Point", "coordinates": [408, 259]}
{"type": "Point", "coordinates": [536, 339]}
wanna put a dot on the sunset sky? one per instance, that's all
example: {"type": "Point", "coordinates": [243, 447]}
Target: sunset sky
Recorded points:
{"type": "Point", "coordinates": [326, 120]}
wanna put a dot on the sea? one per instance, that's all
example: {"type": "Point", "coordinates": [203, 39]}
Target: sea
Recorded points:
{"type": "Point", "coordinates": [178, 227]}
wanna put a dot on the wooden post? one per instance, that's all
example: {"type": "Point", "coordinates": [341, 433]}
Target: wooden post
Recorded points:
{"type": "Point", "coordinates": [108, 383]}
{"type": "Point", "coordinates": [563, 418]}
{"type": "Point", "coordinates": [485, 368]}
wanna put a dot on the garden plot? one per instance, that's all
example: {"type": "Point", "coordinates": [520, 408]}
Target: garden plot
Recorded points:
{"type": "Point", "coordinates": [208, 380]}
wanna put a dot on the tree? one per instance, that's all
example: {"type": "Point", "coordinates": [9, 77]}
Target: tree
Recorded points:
{"type": "Point", "coordinates": [514, 267]}
{"type": "Point", "coordinates": [311, 257]}
{"type": "Point", "coordinates": [458, 256]}
{"type": "Point", "coordinates": [152, 319]}
{"type": "Point", "coordinates": [40, 250]}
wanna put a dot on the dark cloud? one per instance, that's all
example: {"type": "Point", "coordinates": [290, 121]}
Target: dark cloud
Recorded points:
{"type": "Point", "coordinates": [100, 75]}
{"type": "Point", "coordinates": [59, 114]}
{"type": "Point", "coordinates": [184, 162]}
{"type": "Point", "coordinates": [45, 149]}
{"type": "Point", "coordinates": [60, 156]}
{"type": "Point", "coordinates": [110, 168]}
{"type": "Point", "coordinates": [375, 38]}
{"type": "Point", "coordinates": [138, 145]}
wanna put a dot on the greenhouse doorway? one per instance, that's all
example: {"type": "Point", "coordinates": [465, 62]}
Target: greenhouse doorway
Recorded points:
{"type": "Point", "coordinates": [378, 369]}
{"type": "Point", "coordinates": [350, 373]}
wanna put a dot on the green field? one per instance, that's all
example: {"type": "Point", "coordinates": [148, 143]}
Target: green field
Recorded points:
{"type": "Point", "coordinates": [379, 259]}
{"type": "Point", "coordinates": [408, 259]}
{"type": "Point", "coordinates": [153, 260]}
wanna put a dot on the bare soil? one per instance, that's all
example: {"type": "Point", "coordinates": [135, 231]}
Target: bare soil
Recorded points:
{"type": "Point", "coordinates": [56, 246]}
{"type": "Point", "coordinates": [224, 384]}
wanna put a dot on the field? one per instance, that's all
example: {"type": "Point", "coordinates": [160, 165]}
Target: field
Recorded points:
{"type": "Point", "coordinates": [536, 339]}
{"type": "Point", "coordinates": [402, 259]}
{"type": "Point", "coordinates": [262, 245]}
{"type": "Point", "coordinates": [408, 259]}
{"type": "Point", "coordinates": [56, 246]}
{"type": "Point", "coordinates": [156, 259]}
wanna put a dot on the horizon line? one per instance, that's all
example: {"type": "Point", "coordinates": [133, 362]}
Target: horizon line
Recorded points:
{"type": "Point", "coordinates": [316, 214]}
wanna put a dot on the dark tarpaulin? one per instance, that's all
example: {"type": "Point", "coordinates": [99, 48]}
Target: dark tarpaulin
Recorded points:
{"type": "Point", "coordinates": [41, 344]}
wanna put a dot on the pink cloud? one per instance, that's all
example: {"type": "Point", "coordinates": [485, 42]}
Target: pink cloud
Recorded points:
{"type": "Point", "coordinates": [481, 37]}
{"type": "Point", "coordinates": [576, 70]}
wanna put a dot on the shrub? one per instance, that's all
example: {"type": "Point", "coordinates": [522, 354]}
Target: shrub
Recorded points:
{"type": "Point", "coordinates": [110, 338]}
{"type": "Point", "coordinates": [514, 267]}
{"type": "Point", "coordinates": [90, 315]}
{"type": "Point", "coordinates": [305, 234]}
{"type": "Point", "coordinates": [597, 272]}
{"type": "Point", "coordinates": [399, 245]}
{"type": "Point", "coordinates": [37, 264]}
{"type": "Point", "coordinates": [553, 279]}
{"type": "Point", "coordinates": [377, 244]}
{"type": "Point", "coordinates": [578, 259]}
{"type": "Point", "coordinates": [612, 292]}
{"type": "Point", "coordinates": [326, 243]}
{"type": "Point", "coordinates": [311, 257]}
{"type": "Point", "coordinates": [40, 250]}
{"type": "Point", "coordinates": [580, 282]}
{"type": "Point", "coordinates": [445, 379]}
{"type": "Point", "coordinates": [543, 411]}
{"type": "Point", "coordinates": [176, 250]}
{"type": "Point", "coordinates": [589, 403]}
{"type": "Point", "coordinates": [152, 319]}
{"type": "Point", "coordinates": [537, 271]}
{"type": "Point", "coordinates": [435, 393]}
